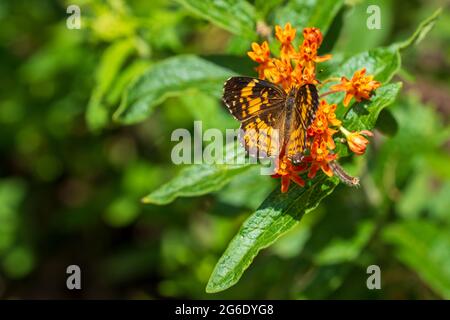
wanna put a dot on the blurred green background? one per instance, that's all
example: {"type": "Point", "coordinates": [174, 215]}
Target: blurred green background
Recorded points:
{"type": "Point", "coordinates": [70, 188]}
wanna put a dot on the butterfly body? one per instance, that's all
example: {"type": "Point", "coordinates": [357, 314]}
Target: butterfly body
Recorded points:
{"type": "Point", "coordinates": [289, 109]}
{"type": "Point", "coordinates": [272, 120]}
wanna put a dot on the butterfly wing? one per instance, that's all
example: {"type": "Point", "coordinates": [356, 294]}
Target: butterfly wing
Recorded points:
{"type": "Point", "coordinates": [306, 103]}
{"type": "Point", "coordinates": [259, 106]}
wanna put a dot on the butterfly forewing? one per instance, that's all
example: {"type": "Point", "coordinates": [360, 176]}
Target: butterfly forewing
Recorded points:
{"type": "Point", "coordinates": [258, 104]}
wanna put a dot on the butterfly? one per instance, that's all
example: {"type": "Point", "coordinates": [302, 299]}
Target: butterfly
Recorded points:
{"type": "Point", "coordinates": [272, 120]}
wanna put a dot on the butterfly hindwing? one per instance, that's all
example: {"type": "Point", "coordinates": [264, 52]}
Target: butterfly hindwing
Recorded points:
{"type": "Point", "coordinates": [259, 106]}
{"type": "Point", "coordinates": [306, 103]}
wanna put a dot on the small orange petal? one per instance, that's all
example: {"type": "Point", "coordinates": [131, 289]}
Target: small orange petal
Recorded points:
{"type": "Point", "coordinates": [313, 170]}
{"type": "Point", "coordinates": [285, 183]}
{"type": "Point", "coordinates": [327, 170]}
{"type": "Point", "coordinates": [323, 58]}
{"type": "Point", "coordinates": [347, 99]}
{"type": "Point", "coordinates": [298, 180]}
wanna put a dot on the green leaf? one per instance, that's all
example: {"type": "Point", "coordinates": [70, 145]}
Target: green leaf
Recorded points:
{"type": "Point", "coordinates": [423, 246]}
{"type": "Point", "coordinates": [131, 72]}
{"type": "Point", "coordinates": [97, 115]}
{"type": "Point", "coordinates": [313, 13]}
{"type": "Point", "coordinates": [194, 181]}
{"type": "Point", "coordinates": [363, 115]}
{"type": "Point", "coordinates": [207, 109]}
{"type": "Point", "coordinates": [248, 189]}
{"type": "Point", "coordinates": [200, 179]}
{"type": "Point", "coordinates": [383, 63]}
{"type": "Point", "coordinates": [279, 213]}
{"type": "Point", "coordinates": [386, 123]}
{"type": "Point", "coordinates": [236, 16]}
{"type": "Point", "coordinates": [169, 78]}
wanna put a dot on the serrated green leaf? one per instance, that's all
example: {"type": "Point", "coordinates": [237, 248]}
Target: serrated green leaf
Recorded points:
{"type": "Point", "coordinates": [169, 78]}
{"type": "Point", "coordinates": [313, 13]}
{"type": "Point", "coordinates": [277, 214]}
{"type": "Point", "coordinates": [236, 16]}
{"type": "Point", "coordinates": [97, 115]}
{"type": "Point", "coordinates": [194, 181]}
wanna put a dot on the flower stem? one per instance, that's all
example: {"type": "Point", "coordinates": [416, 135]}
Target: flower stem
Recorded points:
{"type": "Point", "coordinates": [332, 79]}
{"type": "Point", "coordinates": [327, 93]}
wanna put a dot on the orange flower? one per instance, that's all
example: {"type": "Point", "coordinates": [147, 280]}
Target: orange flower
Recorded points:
{"type": "Point", "coordinates": [311, 43]}
{"type": "Point", "coordinates": [329, 111]}
{"type": "Point", "coordinates": [286, 36]}
{"type": "Point", "coordinates": [320, 158]}
{"type": "Point", "coordinates": [313, 35]}
{"type": "Point", "coordinates": [305, 73]}
{"type": "Point", "coordinates": [261, 55]}
{"type": "Point", "coordinates": [319, 125]}
{"type": "Point", "coordinates": [287, 172]}
{"type": "Point", "coordinates": [360, 86]}
{"type": "Point", "coordinates": [356, 141]}
{"type": "Point", "coordinates": [292, 68]}
{"type": "Point", "coordinates": [281, 73]}
{"type": "Point", "coordinates": [320, 130]}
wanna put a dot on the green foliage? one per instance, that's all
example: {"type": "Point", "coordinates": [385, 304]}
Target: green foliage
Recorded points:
{"type": "Point", "coordinates": [194, 181]}
{"type": "Point", "coordinates": [112, 60]}
{"type": "Point", "coordinates": [168, 78]}
{"type": "Point", "coordinates": [383, 63]}
{"type": "Point", "coordinates": [364, 115]}
{"type": "Point", "coordinates": [427, 254]}
{"type": "Point", "coordinates": [84, 140]}
{"type": "Point", "coordinates": [303, 14]}
{"type": "Point", "coordinates": [233, 15]}
{"type": "Point", "coordinates": [278, 214]}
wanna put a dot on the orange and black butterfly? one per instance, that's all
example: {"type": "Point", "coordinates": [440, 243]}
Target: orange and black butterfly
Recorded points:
{"type": "Point", "coordinates": [271, 118]}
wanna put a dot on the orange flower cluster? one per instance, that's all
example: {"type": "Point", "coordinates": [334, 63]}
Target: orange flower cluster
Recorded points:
{"type": "Point", "coordinates": [287, 172]}
{"type": "Point", "coordinates": [296, 68]}
{"type": "Point", "coordinates": [360, 86]}
{"type": "Point", "coordinates": [293, 67]}
{"type": "Point", "coordinates": [322, 142]}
